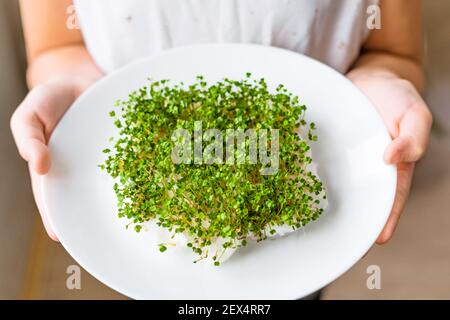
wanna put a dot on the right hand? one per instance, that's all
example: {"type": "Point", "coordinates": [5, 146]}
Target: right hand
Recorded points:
{"type": "Point", "coordinates": [33, 122]}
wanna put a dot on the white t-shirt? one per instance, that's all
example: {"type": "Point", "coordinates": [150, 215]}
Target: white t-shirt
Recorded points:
{"type": "Point", "coordinates": [117, 32]}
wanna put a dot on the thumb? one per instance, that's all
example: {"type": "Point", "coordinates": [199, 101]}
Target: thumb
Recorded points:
{"type": "Point", "coordinates": [403, 149]}
{"type": "Point", "coordinates": [37, 154]}
{"type": "Point", "coordinates": [411, 143]}
{"type": "Point", "coordinates": [28, 132]}
{"type": "Point", "coordinates": [34, 120]}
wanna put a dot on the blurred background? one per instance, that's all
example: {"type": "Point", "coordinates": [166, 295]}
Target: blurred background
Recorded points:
{"type": "Point", "coordinates": [414, 265]}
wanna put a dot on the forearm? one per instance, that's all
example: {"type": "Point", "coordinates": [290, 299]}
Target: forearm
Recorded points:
{"type": "Point", "coordinates": [373, 63]}
{"type": "Point", "coordinates": [66, 61]}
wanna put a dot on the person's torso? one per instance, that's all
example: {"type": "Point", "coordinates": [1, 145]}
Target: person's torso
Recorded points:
{"type": "Point", "coordinates": [117, 32]}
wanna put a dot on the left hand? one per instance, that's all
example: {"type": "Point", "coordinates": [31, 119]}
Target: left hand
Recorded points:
{"type": "Point", "coordinates": [408, 121]}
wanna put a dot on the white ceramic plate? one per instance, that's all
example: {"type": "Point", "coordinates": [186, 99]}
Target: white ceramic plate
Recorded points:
{"type": "Point", "coordinates": [81, 204]}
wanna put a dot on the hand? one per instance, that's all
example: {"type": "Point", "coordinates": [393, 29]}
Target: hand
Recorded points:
{"type": "Point", "coordinates": [408, 121]}
{"type": "Point", "coordinates": [33, 122]}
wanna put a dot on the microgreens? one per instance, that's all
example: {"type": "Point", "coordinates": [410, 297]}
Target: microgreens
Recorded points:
{"type": "Point", "coordinates": [215, 201]}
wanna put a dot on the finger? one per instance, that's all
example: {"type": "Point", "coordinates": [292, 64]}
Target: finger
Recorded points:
{"type": "Point", "coordinates": [36, 186]}
{"type": "Point", "coordinates": [39, 155]}
{"type": "Point", "coordinates": [404, 179]}
{"type": "Point", "coordinates": [28, 132]}
{"type": "Point", "coordinates": [412, 141]}
{"type": "Point", "coordinates": [34, 120]}
{"type": "Point", "coordinates": [403, 149]}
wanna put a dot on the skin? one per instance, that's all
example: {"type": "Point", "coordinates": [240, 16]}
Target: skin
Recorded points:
{"type": "Point", "coordinates": [389, 71]}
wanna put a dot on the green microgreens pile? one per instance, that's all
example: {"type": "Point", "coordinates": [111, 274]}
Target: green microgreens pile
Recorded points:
{"type": "Point", "coordinates": [211, 201]}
